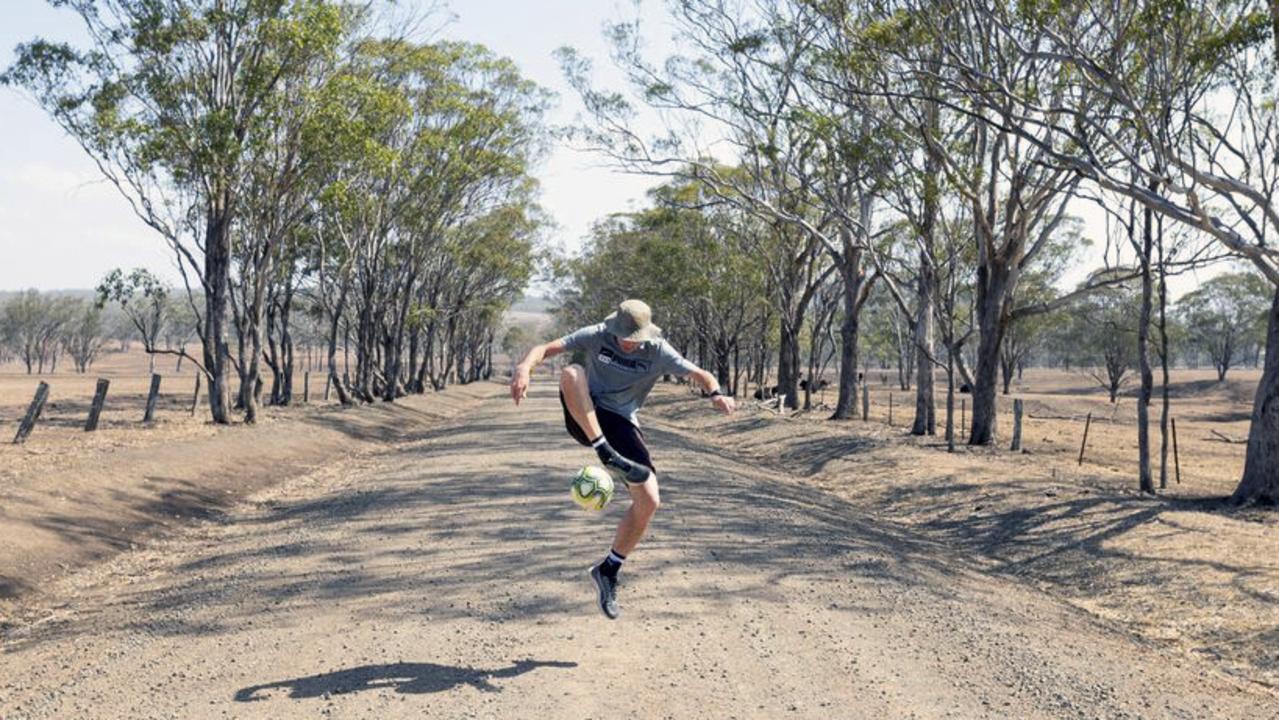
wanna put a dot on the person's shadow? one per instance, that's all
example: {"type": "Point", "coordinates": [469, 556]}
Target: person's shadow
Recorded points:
{"type": "Point", "coordinates": [402, 677]}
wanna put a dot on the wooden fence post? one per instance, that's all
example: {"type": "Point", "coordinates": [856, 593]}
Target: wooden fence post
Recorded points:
{"type": "Point", "coordinates": [195, 397]}
{"type": "Point", "coordinates": [152, 396]}
{"type": "Point", "coordinates": [1017, 411]}
{"type": "Point", "coordinates": [33, 413]}
{"type": "Point", "coordinates": [1176, 457]}
{"type": "Point", "coordinates": [306, 387]}
{"type": "Point", "coordinates": [890, 409]}
{"type": "Point", "coordinates": [95, 410]}
{"type": "Point", "coordinates": [1084, 444]}
{"type": "Point", "coordinates": [865, 401]}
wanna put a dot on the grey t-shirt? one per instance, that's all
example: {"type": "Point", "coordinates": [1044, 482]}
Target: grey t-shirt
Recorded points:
{"type": "Point", "coordinates": [620, 381]}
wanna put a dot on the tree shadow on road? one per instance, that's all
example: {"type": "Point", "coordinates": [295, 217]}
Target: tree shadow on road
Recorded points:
{"type": "Point", "coordinates": [409, 678]}
{"type": "Point", "coordinates": [421, 533]}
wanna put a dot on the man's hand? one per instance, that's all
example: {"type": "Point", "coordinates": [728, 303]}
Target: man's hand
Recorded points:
{"type": "Point", "coordinates": [724, 404]}
{"type": "Point", "coordinates": [519, 384]}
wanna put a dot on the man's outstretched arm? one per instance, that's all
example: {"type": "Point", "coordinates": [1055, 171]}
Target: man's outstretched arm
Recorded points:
{"type": "Point", "coordinates": [707, 382]}
{"type": "Point", "coordinates": [534, 357]}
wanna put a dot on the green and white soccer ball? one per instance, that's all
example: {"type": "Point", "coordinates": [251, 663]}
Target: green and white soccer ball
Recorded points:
{"type": "Point", "coordinates": [592, 487]}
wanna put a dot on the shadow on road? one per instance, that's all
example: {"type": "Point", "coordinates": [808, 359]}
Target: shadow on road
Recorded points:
{"type": "Point", "coordinates": [410, 678]}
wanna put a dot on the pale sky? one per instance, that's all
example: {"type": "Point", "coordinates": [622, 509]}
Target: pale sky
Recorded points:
{"type": "Point", "coordinates": [62, 226]}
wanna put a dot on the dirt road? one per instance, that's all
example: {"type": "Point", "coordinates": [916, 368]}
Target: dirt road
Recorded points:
{"type": "Point", "coordinates": [446, 579]}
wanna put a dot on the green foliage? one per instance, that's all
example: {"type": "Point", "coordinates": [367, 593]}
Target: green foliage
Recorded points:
{"type": "Point", "coordinates": [139, 286]}
{"type": "Point", "coordinates": [1242, 31]}
{"type": "Point", "coordinates": [687, 258]}
{"type": "Point", "coordinates": [175, 89]}
{"type": "Point", "coordinates": [143, 297]}
{"type": "Point", "coordinates": [1099, 334]}
{"type": "Point", "coordinates": [1226, 316]}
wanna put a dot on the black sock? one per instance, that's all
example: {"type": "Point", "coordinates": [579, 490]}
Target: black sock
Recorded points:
{"type": "Point", "coordinates": [612, 563]}
{"type": "Point", "coordinates": [603, 449]}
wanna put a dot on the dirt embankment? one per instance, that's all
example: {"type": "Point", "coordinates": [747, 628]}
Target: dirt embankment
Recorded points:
{"type": "Point", "coordinates": [66, 502]}
{"type": "Point", "coordinates": [1183, 570]}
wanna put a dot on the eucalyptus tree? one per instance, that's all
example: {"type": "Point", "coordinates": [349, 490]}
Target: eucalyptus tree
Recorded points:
{"type": "Point", "coordinates": [284, 173]}
{"type": "Point", "coordinates": [433, 138]}
{"type": "Point", "coordinates": [1223, 317]}
{"type": "Point", "coordinates": [83, 335]}
{"type": "Point", "coordinates": [1103, 332]}
{"type": "Point", "coordinates": [357, 112]}
{"type": "Point", "coordinates": [469, 200]}
{"type": "Point", "coordinates": [1001, 170]}
{"type": "Point", "coordinates": [862, 147]}
{"type": "Point", "coordinates": [737, 103]}
{"type": "Point", "coordinates": [899, 68]}
{"type": "Point", "coordinates": [1200, 156]}
{"type": "Point", "coordinates": [22, 317]}
{"type": "Point", "coordinates": [489, 262]}
{"type": "Point", "coordinates": [165, 99]}
{"type": "Point", "coordinates": [694, 260]}
{"type": "Point", "coordinates": [146, 301]}
{"type": "Point", "coordinates": [35, 325]}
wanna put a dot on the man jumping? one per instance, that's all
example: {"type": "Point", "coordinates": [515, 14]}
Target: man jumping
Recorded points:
{"type": "Point", "coordinates": [624, 356]}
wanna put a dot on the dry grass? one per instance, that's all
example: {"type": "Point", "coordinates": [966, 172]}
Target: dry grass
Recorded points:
{"type": "Point", "coordinates": [70, 498]}
{"type": "Point", "coordinates": [1182, 569]}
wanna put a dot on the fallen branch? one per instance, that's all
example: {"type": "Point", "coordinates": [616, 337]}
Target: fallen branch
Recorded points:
{"type": "Point", "coordinates": [1227, 438]}
{"type": "Point", "coordinates": [1052, 417]}
{"type": "Point", "coordinates": [1072, 418]}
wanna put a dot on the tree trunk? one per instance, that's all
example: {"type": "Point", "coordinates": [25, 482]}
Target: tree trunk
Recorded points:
{"type": "Point", "coordinates": [415, 341]}
{"type": "Point", "coordinates": [737, 367]}
{"type": "Point", "coordinates": [286, 347]}
{"type": "Point", "coordinates": [724, 364]}
{"type": "Point", "coordinates": [217, 280]}
{"type": "Point", "coordinates": [274, 355]}
{"type": "Point", "coordinates": [992, 319]}
{"type": "Point", "coordinates": [1165, 407]}
{"type": "Point", "coordinates": [925, 409]}
{"type": "Point", "coordinates": [251, 387]}
{"type": "Point", "coordinates": [395, 342]}
{"type": "Point", "coordinates": [254, 314]}
{"type": "Point", "coordinates": [335, 381]}
{"type": "Point", "coordinates": [1145, 478]}
{"type": "Point", "coordinates": [1260, 483]}
{"type": "Point", "coordinates": [849, 333]}
{"type": "Point", "coordinates": [950, 399]}
{"type": "Point", "coordinates": [788, 365]}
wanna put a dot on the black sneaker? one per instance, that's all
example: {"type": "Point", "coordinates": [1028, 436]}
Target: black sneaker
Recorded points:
{"type": "Point", "coordinates": [607, 587]}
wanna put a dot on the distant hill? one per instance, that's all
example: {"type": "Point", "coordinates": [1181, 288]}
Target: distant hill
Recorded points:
{"type": "Point", "coordinates": [86, 294]}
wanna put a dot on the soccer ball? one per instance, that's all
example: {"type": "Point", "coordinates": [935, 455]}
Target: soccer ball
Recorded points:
{"type": "Point", "coordinates": [592, 487]}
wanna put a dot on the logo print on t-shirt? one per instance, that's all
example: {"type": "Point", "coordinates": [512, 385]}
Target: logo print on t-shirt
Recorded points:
{"type": "Point", "coordinates": [608, 357]}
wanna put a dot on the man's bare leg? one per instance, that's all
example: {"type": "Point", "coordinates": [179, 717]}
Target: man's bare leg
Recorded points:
{"type": "Point", "coordinates": [645, 499]}
{"type": "Point", "coordinates": [577, 396]}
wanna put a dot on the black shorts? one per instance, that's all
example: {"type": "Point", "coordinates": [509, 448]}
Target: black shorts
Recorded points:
{"type": "Point", "coordinates": [619, 431]}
